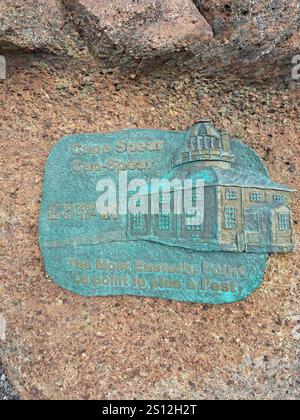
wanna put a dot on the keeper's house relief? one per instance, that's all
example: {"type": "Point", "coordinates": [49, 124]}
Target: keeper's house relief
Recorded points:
{"type": "Point", "coordinates": [244, 211]}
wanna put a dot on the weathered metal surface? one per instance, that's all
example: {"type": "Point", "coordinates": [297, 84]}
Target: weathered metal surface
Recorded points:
{"type": "Point", "coordinates": [220, 259]}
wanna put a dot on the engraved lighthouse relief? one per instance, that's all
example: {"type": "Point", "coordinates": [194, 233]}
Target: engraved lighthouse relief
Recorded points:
{"type": "Point", "coordinates": [188, 216]}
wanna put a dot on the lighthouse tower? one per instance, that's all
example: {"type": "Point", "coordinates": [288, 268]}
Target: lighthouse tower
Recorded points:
{"type": "Point", "coordinates": [207, 146]}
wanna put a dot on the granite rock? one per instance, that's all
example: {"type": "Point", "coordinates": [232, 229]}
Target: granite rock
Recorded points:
{"type": "Point", "coordinates": [251, 39]}
{"type": "Point", "coordinates": [260, 36]}
{"type": "Point", "coordinates": [59, 345]}
{"type": "Point", "coordinates": [127, 33]}
{"type": "Point", "coordinates": [39, 26]}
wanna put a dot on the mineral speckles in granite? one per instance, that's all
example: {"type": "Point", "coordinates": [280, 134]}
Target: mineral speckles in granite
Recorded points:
{"type": "Point", "coordinates": [64, 346]}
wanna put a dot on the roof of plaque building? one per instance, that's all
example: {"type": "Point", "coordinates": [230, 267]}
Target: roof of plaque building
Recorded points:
{"type": "Point", "coordinates": [214, 176]}
{"type": "Point", "coordinates": [218, 177]}
{"type": "Point", "coordinates": [208, 154]}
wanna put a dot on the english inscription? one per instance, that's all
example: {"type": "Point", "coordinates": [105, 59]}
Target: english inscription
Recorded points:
{"type": "Point", "coordinates": [188, 216]}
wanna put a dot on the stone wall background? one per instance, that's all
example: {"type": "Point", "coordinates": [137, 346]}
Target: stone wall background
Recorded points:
{"type": "Point", "coordinates": [253, 38]}
{"type": "Point", "coordinates": [228, 61]}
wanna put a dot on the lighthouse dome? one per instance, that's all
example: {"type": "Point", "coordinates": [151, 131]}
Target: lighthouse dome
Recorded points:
{"type": "Point", "coordinates": [204, 143]}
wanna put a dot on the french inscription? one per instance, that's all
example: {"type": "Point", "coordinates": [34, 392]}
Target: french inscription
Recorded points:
{"type": "Point", "coordinates": [143, 275]}
{"type": "Point", "coordinates": [212, 250]}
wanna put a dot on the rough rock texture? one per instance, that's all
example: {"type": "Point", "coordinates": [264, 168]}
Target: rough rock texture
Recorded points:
{"type": "Point", "coordinates": [263, 20]}
{"type": "Point", "coordinates": [6, 390]}
{"type": "Point", "coordinates": [254, 39]}
{"type": "Point", "coordinates": [37, 25]}
{"type": "Point", "coordinates": [249, 35]}
{"type": "Point", "coordinates": [59, 345]}
{"type": "Point", "coordinates": [128, 32]}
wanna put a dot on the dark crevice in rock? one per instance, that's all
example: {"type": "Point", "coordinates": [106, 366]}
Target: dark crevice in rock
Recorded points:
{"type": "Point", "coordinates": [204, 11]}
{"type": "Point", "coordinates": [7, 392]}
{"type": "Point", "coordinates": [71, 24]}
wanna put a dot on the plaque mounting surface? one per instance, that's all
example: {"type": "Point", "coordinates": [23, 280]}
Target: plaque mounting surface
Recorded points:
{"type": "Point", "coordinates": [220, 259]}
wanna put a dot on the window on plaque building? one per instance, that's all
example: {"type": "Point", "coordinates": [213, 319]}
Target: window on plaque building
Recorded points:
{"type": "Point", "coordinates": [194, 143]}
{"type": "Point", "coordinates": [284, 221]}
{"type": "Point", "coordinates": [231, 194]}
{"type": "Point", "coordinates": [256, 197]}
{"type": "Point", "coordinates": [200, 140]}
{"type": "Point", "coordinates": [230, 218]}
{"type": "Point", "coordinates": [279, 198]}
{"type": "Point", "coordinates": [216, 143]}
{"type": "Point", "coordinates": [193, 221]}
{"type": "Point", "coordinates": [165, 222]}
{"type": "Point", "coordinates": [138, 222]}
{"type": "Point", "coordinates": [194, 218]}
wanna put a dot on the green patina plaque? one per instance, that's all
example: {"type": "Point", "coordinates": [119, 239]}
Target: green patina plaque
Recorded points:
{"type": "Point", "coordinates": [189, 216]}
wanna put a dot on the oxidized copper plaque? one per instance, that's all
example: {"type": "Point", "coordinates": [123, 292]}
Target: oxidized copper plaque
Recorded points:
{"type": "Point", "coordinates": [190, 216]}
